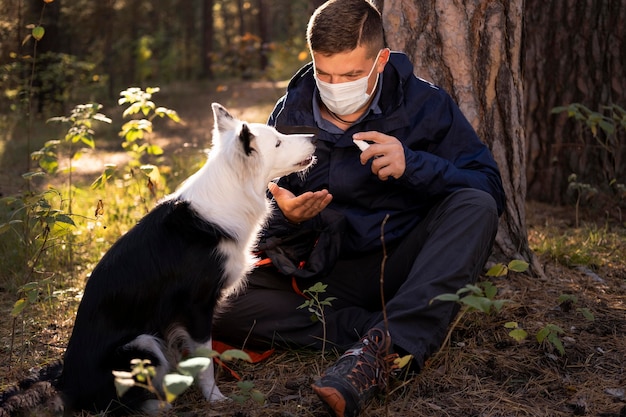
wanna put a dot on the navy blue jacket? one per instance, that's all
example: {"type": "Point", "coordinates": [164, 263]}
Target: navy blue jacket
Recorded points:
{"type": "Point", "coordinates": [443, 154]}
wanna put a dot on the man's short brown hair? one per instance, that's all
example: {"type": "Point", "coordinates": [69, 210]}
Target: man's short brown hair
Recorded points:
{"type": "Point", "coordinates": [343, 25]}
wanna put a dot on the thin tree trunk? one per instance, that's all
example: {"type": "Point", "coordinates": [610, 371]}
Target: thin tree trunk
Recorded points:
{"type": "Point", "coordinates": [207, 39]}
{"type": "Point", "coordinates": [263, 33]}
{"type": "Point", "coordinates": [472, 49]}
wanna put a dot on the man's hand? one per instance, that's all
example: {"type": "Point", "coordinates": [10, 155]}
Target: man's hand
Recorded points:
{"type": "Point", "coordinates": [300, 208]}
{"type": "Point", "coordinates": [386, 152]}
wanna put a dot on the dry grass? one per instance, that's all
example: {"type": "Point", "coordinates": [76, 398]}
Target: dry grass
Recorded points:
{"type": "Point", "coordinates": [481, 372]}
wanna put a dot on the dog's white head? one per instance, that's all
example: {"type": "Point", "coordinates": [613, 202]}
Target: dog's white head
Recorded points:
{"type": "Point", "coordinates": [256, 143]}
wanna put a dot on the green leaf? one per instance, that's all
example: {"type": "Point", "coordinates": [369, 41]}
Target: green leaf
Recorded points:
{"type": "Point", "coordinates": [64, 218]}
{"type": "Point", "coordinates": [556, 342]}
{"type": "Point", "coordinates": [517, 265]}
{"type": "Point", "coordinates": [511, 325]}
{"type": "Point", "coordinates": [18, 307]}
{"type": "Point", "coordinates": [542, 334]}
{"type": "Point", "coordinates": [518, 334]}
{"type": "Point", "coordinates": [257, 396]}
{"type": "Point", "coordinates": [154, 150]}
{"type": "Point", "coordinates": [490, 290]}
{"type": "Point", "coordinates": [567, 297]}
{"type": "Point", "coordinates": [193, 366]}
{"type": "Point", "coordinates": [38, 32]}
{"type": "Point", "coordinates": [206, 353]}
{"type": "Point", "coordinates": [239, 399]}
{"type": "Point", "coordinates": [102, 118]}
{"type": "Point", "coordinates": [587, 314]}
{"type": "Point", "coordinates": [475, 289]}
{"type": "Point", "coordinates": [230, 354]}
{"type": "Point", "coordinates": [5, 227]}
{"type": "Point", "coordinates": [122, 383]}
{"type": "Point", "coordinates": [318, 287]}
{"type": "Point", "coordinates": [607, 127]}
{"type": "Point", "coordinates": [497, 270]}
{"type": "Point", "coordinates": [175, 384]}
{"type": "Point", "coordinates": [446, 297]}
{"type": "Point", "coordinates": [30, 175]}
{"type": "Point", "coordinates": [479, 303]}
{"type": "Point", "coordinates": [147, 169]}
{"type": "Point", "coordinates": [88, 141]}
{"type": "Point", "coordinates": [32, 296]}
{"type": "Point", "coordinates": [498, 304]}
{"type": "Point", "coordinates": [132, 109]}
{"type": "Point", "coordinates": [558, 109]}
{"type": "Point", "coordinates": [245, 386]}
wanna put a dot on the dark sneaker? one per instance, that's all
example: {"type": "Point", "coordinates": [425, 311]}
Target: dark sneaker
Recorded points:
{"type": "Point", "coordinates": [358, 375]}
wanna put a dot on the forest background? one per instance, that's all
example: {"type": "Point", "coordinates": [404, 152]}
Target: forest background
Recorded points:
{"type": "Point", "coordinates": [565, 55]}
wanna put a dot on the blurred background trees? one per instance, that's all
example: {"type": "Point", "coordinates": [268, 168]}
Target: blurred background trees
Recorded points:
{"type": "Point", "coordinates": [508, 64]}
{"type": "Point", "coordinates": [117, 43]}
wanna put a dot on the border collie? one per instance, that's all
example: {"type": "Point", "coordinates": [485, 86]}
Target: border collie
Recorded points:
{"type": "Point", "coordinates": [153, 294]}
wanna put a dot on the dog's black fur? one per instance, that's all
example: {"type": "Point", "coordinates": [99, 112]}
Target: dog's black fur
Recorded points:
{"type": "Point", "coordinates": [160, 274]}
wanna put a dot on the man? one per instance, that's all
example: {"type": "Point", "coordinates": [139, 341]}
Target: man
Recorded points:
{"type": "Point", "coordinates": [424, 197]}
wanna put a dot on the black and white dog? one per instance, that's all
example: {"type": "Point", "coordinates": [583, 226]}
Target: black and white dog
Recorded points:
{"type": "Point", "coordinates": [154, 292]}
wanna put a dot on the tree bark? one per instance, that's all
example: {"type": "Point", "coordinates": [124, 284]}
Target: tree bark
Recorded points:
{"type": "Point", "coordinates": [574, 53]}
{"type": "Point", "coordinates": [473, 49]}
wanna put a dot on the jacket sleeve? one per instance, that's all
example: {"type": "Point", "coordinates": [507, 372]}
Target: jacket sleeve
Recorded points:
{"type": "Point", "coordinates": [443, 153]}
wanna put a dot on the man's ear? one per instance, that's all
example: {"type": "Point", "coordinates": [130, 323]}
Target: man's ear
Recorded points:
{"type": "Point", "coordinates": [383, 58]}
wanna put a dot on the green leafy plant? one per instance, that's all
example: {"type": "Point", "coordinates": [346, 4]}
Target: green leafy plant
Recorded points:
{"type": "Point", "coordinates": [568, 301]}
{"type": "Point", "coordinates": [583, 192]}
{"type": "Point", "coordinates": [142, 375]}
{"type": "Point", "coordinates": [248, 391]}
{"type": "Point", "coordinates": [80, 132]}
{"type": "Point", "coordinates": [517, 333]}
{"type": "Point", "coordinates": [137, 135]}
{"type": "Point", "coordinates": [315, 305]}
{"type": "Point", "coordinates": [500, 269]}
{"type": "Point", "coordinates": [36, 225]}
{"type": "Point", "coordinates": [549, 334]}
{"type": "Point", "coordinates": [137, 132]}
{"type": "Point", "coordinates": [605, 126]}
{"type": "Point", "coordinates": [481, 296]}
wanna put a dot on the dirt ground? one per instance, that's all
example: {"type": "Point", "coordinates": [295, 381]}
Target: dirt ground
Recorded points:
{"type": "Point", "coordinates": [480, 372]}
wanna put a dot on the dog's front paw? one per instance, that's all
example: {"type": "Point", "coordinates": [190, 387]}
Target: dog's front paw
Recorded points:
{"type": "Point", "coordinates": [206, 381]}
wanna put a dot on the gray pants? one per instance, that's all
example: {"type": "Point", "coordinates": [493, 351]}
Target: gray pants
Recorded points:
{"type": "Point", "coordinates": [443, 253]}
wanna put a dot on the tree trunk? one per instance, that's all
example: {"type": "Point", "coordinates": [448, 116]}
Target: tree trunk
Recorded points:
{"type": "Point", "coordinates": [104, 13]}
{"type": "Point", "coordinates": [263, 34]}
{"type": "Point", "coordinates": [574, 53]}
{"type": "Point", "coordinates": [473, 49]}
{"type": "Point", "coordinates": [207, 39]}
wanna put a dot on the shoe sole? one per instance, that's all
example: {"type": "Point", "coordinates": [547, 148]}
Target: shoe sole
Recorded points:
{"type": "Point", "coordinates": [333, 400]}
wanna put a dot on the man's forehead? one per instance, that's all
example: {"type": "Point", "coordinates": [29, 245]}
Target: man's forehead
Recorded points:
{"type": "Point", "coordinates": [341, 63]}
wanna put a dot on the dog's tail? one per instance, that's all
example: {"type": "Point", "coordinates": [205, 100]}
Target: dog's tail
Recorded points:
{"type": "Point", "coordinates": [37, 389]}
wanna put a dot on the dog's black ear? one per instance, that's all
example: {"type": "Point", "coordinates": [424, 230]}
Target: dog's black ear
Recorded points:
{"type": "Point", "coordinates": [223, 119]}
{"type": "Point", "coordinates": [245, 137]}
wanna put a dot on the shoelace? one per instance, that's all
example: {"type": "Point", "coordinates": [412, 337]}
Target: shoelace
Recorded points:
{"type": "Point", "coordinates": [378, 363]}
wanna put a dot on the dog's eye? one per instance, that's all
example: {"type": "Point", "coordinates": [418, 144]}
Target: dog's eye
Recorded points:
{"type": "Point", "coordinates": [278, 142]}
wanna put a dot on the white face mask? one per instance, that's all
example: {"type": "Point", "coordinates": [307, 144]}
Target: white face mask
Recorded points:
{"type": "Point", "coordinates": [348, 97]}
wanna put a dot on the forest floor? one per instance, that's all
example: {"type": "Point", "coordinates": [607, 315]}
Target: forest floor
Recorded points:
{"type": "Point", "coordinates": [481, 371]}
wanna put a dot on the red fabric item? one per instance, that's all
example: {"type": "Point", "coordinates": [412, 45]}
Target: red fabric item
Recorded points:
{"type": "Point", "coordinates": [255, 357]}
